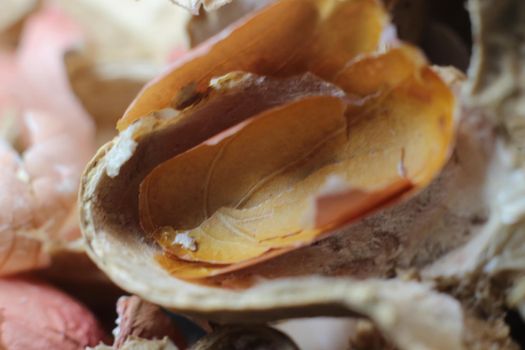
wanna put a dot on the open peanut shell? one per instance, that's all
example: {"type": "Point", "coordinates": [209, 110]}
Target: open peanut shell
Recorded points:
{"type": "Point", "coordinates": [241, 132]}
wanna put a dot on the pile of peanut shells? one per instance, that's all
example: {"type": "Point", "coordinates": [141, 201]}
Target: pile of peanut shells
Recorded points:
{"type": "Point", "coordinates": [301, 174]}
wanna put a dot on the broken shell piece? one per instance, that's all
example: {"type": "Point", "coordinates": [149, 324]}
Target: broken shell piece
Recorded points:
{"type": "Point", "coordinates": [452, 211]}
{"type": "Point", "coordinates": [322, 125]}
{"type": "Point", "coordinates": [223, 193]}
{"type": "Point", "coordinates": [393, 113]}
{"type": "Point", "coordinates": [110, 191]}
{"type": "Point", "coordinates": [220, 184]}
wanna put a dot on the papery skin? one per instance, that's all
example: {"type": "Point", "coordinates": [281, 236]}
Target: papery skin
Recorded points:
{"type": "Point", "coordinates": [53, 134]}
{"type": "Point", "coordinates": [215, 186]}
{"type": "Point", "coordinates": [138, 318]}
{"type": "Point", "coordinates": [285, 39]}
{"type": "Point", "coordinates": [36, 316]}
